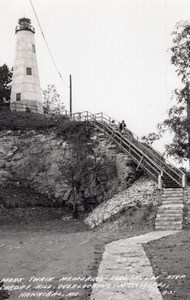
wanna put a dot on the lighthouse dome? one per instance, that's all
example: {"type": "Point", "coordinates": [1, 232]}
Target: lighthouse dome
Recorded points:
{"type": "Point", "coordinates": [24, 24]}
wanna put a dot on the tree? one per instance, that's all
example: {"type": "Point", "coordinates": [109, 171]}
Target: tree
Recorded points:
{"type": "Point", "coordinates": [5, 84]}
{"type": "Point", "coordinates": [150, 138]}
{"type": "Point", "coordinates": [178, 121]}
{"type": "Point", "coordinates": [52, 101]}
{"type": "Point", "coordinates": [179, 115]}
{"type": "Point", "coordinates": [82, 160]}
{"type": "Point", "coordinates": [79, 161]}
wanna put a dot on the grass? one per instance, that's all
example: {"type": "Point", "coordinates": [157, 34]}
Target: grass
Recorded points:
{"type": "Point", "coordinates": [60, 124]}
{"type": "Point", "coordinates": [170, 256]}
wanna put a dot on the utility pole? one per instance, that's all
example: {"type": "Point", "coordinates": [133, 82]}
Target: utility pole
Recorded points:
{"type": "Point", "coordinates": [70, 87]}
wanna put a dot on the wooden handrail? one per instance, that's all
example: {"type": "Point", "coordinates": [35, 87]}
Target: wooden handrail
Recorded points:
{"type": "Point", "coordinates": [154, 161]}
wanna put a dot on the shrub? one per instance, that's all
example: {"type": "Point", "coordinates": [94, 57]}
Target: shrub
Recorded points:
{"type": "Point", "coordinates": [145, 215]}
{"type": "Point", "coordinates": [150, 207]}
{"type": "Point", "coordinates": [72, 129]}
{"type": "Point", "coordinates": [3, 293]}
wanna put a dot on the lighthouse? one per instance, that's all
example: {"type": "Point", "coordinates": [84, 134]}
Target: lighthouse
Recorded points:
{"type": "Point", "coordinates": [25, 92]}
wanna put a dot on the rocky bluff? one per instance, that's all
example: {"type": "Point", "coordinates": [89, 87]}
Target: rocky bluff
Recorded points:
{"type": "Point", "coordinates": [37, 160]}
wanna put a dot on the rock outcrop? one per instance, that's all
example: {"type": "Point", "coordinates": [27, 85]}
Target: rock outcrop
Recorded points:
{"type": "Point", "coordinates": [33, 159]}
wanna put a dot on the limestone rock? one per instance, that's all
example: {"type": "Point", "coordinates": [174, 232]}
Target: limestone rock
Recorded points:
{"type": "Point", "coordinates": [33, 159]}
{"type": "Point", "coordinates": [143, 191]}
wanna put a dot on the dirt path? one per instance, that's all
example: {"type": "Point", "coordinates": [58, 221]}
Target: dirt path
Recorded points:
{"type": "Point", "coordinates": [26, 254]}
{"type": "Point", "coordinates": [53, 250]}
{"type": "Point", "coordinates": [42, 242]}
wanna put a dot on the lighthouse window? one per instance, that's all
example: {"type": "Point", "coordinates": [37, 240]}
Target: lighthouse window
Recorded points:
{"type": "Point", "coordinates": [34, 48]}
{"type": "Point", "coordinates": [18, 96]}
{"type": "Point", "coordinates": [28, 71]}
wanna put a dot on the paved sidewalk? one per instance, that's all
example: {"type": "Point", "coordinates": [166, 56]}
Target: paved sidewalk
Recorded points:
{"type": "Point", "coordinates": [121, 272]}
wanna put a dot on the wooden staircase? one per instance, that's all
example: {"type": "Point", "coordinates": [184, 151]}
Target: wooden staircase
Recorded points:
{"type": "Point", "coordinates": [171, 180]}
{"type": "Point", "coordinates": [170, 213]}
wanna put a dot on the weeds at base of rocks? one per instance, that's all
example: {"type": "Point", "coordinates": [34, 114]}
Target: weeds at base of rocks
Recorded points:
{"type": "Point", "coordinates": [3, 293]}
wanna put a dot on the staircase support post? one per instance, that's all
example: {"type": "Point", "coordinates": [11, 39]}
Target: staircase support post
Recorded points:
{"type": "Point", "coordinates": [160, 188]}
{"type": "Point", "coordinates": [183, 181]}
{"type": "Point", "coordinates": [183, 186]}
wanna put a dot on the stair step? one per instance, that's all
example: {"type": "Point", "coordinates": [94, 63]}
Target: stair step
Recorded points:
{"type": "Point", "coordinates": [172, 193]}
{"type": "Point", "coordinates": [172, 198]}
{"type": "Point", "coordinates": [174, 206]}
{"type": "Point", "coordinates": [165, 225]}
{"type": "Point", "coordinates": [177, 193]}
{"type": "Point", "coordinates": [168, 190]}
{"type": "Point", "coordinates": [168, 227]}
{"type": "Point", "coordinates": [168, 222]}
{"type": "Point", "coordinates": [169, 218]}
{"type": "Point", "coordinates": [170, 212]}
{"type": "Point", "coordinates": [170, 181]}
{"type": "Point", "coordinates": [171, 185]}
{"type": "Point", "coordinates": [172, 202]}
{"type": "Point", "coordinates": [169, 203]}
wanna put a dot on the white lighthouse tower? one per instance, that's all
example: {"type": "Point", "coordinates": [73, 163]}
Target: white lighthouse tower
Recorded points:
{"type": "Point", "coordinates": [26, 92]}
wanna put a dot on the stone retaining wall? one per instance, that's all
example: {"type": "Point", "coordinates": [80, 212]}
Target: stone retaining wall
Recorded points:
{"type": "Point", "coordinates": [143, 191]}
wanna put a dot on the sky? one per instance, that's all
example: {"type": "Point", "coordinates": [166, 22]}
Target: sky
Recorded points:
{"type": "Point", "coordinates": [117, 52]}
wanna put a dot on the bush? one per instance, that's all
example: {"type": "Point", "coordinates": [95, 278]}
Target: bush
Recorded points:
{"type": "Point", "coordinates": [150, 207]}
{"type": "Point", "coordinates": [145, 215]}
{"type": "Point", "coordinates": [3, 293]}
{"type": "Point", "coordinates": [72, 129]}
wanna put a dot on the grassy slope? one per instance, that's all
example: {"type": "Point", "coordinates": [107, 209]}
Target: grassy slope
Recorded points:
{"type": "Point", "coordinates": [171, 256]}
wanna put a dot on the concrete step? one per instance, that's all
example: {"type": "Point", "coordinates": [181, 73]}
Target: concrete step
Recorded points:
{"type": "Point", "coordinates": [164, 225]}
{"type": "Point", "coordinates": [170, 212]}
{"type": "Point", "coordinates": [172, 202]}
{"type": "Point", "coordinates": [180, 188]}
{"type": "Point", "coordinates": [168, 227]}
{"type": "Point", "coordinates": [172, 190]}
{"type": "Point", "coordinates": [167, 222]}
{"type": "Point", "coordinates": [172, 196]}
{"type": "Point", "coordinates": [168, 218]}
{"type": "Point", "coordinates": [175, 206]}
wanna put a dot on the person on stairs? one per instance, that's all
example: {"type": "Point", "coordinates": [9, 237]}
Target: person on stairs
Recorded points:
{"type": "Point", "coordinates": [114, 125]}
{"type": "Point", "coordinates": [122, 126]}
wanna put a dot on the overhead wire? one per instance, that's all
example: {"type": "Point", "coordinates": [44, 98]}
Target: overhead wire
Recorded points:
{"type": "Point", "coordinates": [53, 60]}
